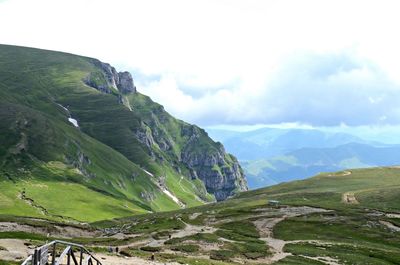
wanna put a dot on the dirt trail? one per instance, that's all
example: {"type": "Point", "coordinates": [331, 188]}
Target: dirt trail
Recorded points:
{"type": "Point", "coordinates": [391, 226]}
{"type": "Point", "coordinates": [121, 260]}
{"type": "Point", "coordinates": [54, 231]}
{"type": "Point", "coordinates": [349, 198]}
{"type": "Point", "coordinates": [16, 249]}
{"type": "Point", "coordinates": [343, 174]}
{"type": "Point", "coordinates": [189, 230]}
{"type": "Point", "coordinates": [265, 227]}
{"type": "Point", "coordinates": [393, 215]}
{"type": "Point", "coordinates": [325, 260]}
{"type": "Point", "coordinates": [192, 230]}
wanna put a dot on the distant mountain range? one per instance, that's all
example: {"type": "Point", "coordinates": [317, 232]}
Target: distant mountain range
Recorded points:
{"type": "Point", "coordinates": [271, 155]}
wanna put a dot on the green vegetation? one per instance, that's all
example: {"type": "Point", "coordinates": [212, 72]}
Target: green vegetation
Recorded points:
{"type": "Point", "coordinates": [150, 249]}
{"type": "Point", "coordinates": [373, 188]}
{"type": "Point", "coordinates": [225, 255]}
{"type": "Point", "coordinates": [349, 233]}
{"type": "Point", "coordinates": [186, 248]}
{"type": "Point", "coordinates": [105, 174]}
{"type": "Point", "coordinates": [109, 167]}
{"type": "Point", "coordinates": [7, 262]}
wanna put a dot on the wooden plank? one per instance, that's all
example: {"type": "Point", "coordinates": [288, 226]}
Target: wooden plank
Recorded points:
{"type": "Point", "coordinates": [73, 258]}
{"type": "Point", "coordinates": [87, 260]}
{"type": "Point", "coordinates": [62, 256]}
{"type": "Point", "coordinates": [44, 257]}
{"type": "Point", "coordinates": [27, 260]}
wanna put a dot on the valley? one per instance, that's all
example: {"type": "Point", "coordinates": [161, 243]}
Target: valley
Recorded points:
{"type": "Point", "coordinates": [271, 156]}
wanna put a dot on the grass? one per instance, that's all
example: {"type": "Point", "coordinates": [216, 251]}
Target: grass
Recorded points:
{"type": "Point", "coordinates": [225, 255]}
{"type": "Point", "coordinates": [347, 254]}
{"type": "Point", "coordinates": [7, 262]}
{"type": "Point", "coordinates": [188, 248]}
{"type": "Point", "coordinates": [351, 231]}
{"type": "Point", "coordinates": [94, 173]}
{"type": "Point", "coordinates": [102, 161]}
{"type": "Point", "coordinates": [374, 188]}
{"type": "Point", "coordinates": [23, 235]}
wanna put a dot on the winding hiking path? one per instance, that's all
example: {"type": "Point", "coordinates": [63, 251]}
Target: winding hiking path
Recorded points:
{"type": "Point", "coordinates": [266, 225]}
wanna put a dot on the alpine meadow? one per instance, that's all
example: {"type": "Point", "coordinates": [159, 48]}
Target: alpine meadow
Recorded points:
{"type": "Point", "coordinates": [199, 132]}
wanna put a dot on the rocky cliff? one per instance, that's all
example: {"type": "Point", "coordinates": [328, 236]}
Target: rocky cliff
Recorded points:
{"type": "Point", "coordinates": [107, 79]}
{"type": "Point", "coordinates": [220, 172]}
{"type": "Point", "coordinates": [166, 139]}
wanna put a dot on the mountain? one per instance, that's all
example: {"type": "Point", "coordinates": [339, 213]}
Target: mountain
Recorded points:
{"type": "Point", "coordinates": [306, 162]}
{"type": "Point", "coordinates": [270, 142]}
{"type": "Point", "coordinates": [73, 127]}
{"type": "Point", "coordinates": [273, 155]}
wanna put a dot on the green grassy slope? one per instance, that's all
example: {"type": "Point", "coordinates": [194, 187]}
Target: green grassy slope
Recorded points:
{"type": "Point", "coordinates": [39, 91]}
{"type": "Point", "coordinates": [348, 233]}
{"type": "Point", "coordinates": [373, 188]}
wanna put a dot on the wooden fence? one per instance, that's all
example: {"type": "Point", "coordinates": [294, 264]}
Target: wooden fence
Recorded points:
{"type": "Point", "coordinates": [73, 254]}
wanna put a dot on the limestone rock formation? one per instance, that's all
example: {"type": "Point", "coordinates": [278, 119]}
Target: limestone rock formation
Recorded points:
{"type": "Point", "coordinates": [109, 79]}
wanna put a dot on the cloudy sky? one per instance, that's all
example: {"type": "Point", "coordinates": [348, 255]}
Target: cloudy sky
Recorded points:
{"type": "Point", "coordinates": [309, 62]}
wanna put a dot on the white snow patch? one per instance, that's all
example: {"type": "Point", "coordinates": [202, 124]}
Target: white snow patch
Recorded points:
{"type": "Point", "coordinates": [166, 192]}
{"type": "Point", "coordinates": [63, 108]}
{"type": "Point", "coordinates": [70, 119]}
{"type": "Point", "coordinates": [173, 197]}
{"type": "Point", "coordinates": [74, 122]}
{"type": "Point", "coordinates": [148, 173]}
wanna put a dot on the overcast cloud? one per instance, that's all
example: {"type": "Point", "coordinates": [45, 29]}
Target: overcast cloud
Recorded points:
{"type": "Point", "coordinates": [234, 62]}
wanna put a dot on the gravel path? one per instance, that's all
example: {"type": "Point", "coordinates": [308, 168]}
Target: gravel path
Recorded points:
{"type": "Point", "coordinates": [265, 227]}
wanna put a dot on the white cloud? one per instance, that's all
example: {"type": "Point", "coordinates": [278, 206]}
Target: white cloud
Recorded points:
{"type": "Point", "coordinates": [229, 61]}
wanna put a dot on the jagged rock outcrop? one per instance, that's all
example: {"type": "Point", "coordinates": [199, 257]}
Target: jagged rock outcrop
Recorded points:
{"type": "Point", "coordinates": [203, 159]}
{"type": "Point", "coordinates": [109, 79]}
{"type": "Point", "coordinates": [219, 171]}
{"type": "Point", "coordinates": [125, 84]}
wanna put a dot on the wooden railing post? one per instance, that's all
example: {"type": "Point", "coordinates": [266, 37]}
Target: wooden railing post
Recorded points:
{"type": "Point", "coordinates": [81, 258]}
{"type": "Point", "coordinates": [69, 257]}
{"type": "Point", "coordinates": [54, 254]}
{"type": "Point", "coordinates": [34, 260]}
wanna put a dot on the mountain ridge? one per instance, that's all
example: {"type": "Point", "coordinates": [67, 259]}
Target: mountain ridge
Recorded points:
{"type": "Point", "coordinates": [102, 135]}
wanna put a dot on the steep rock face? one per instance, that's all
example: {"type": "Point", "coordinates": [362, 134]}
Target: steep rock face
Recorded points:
{"type": "Point", "coordinates": [192, 152]}
{"type": "Point", "coordinates": [108, 79]}
{"type": "Point", "coordinates": [125, 84]}
{"type": "Point", "coordinates": [219, 171]}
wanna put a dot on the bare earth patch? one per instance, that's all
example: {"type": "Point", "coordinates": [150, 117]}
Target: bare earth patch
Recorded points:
{"type": "Point", "coordinates": [265, 227]}
{"type": "Point", "coordinates": [391, 226]}
{"type": "Point", "coordinates": [16, 249]}
{"type": "Point", "coordinates": [349, 198]}
{"type": "Point", "coordinates": [54, 231]}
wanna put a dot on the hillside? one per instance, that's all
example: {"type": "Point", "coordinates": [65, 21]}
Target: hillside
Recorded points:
{"type": "Point", "coordinates": [347, 217]}
{"type": "Point", "coordinates": [305, 162]}
{"type": "Point", "coordinates": [73, 127]}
